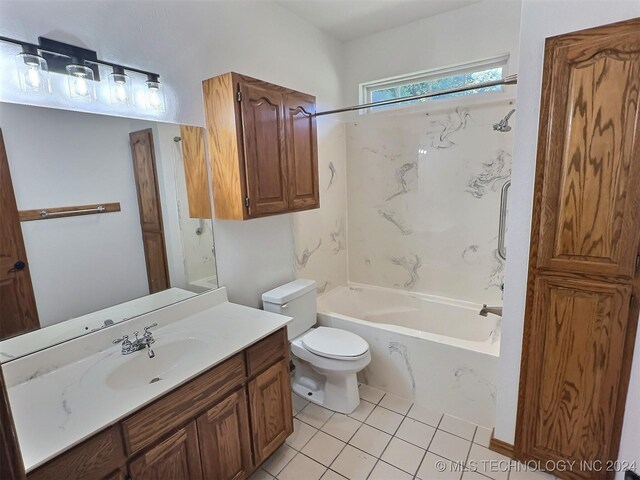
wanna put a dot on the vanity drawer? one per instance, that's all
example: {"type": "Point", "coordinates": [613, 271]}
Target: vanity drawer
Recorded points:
{"type": "Point", "coordinates": [266, 352]}
{"type": "Point", "coordinates": [178, 407]}
{"type": "Point", "coordinates": [95, 458]}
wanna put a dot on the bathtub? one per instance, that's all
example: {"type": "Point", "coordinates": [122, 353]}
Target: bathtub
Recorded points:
{"type": "Point", "coordinates": [438, 352]}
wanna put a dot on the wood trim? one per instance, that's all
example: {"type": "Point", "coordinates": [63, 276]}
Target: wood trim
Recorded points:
{"type": "Point", "coordinates": [11, 465]}
{"type": "Point", "coordinates": [73, 211]}
{"type": "Point", "coordinates": [502, 447]}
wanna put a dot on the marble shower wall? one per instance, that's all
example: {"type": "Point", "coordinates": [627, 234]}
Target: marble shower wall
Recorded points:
{"type": "Point", "coordinates": [423, 198]}
{"type": "Point", "coordinates": [320, 236]}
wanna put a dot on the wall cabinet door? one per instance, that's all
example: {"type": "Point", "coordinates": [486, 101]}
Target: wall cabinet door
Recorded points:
{"type": "Point", "coordinates": [270, 401]}
{"type": "Point", "coordinates": [264, 149]}
{"type": "Point", "coordinates": [225, 439]}
{"type": "Point", "coordinates": [177, 458]}
{"type": "Point", "coordinates": [302, 150]}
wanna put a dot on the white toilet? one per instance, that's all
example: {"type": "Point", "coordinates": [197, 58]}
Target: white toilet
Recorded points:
{"type": "Point", "coordinates": [326, 359]}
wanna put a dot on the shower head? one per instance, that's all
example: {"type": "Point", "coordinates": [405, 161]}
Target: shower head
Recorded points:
{"type": "Point", "coordinates": [503, 125]}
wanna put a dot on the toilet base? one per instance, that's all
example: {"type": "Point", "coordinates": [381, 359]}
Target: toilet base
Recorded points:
{"type": "Point", "coordinates": [334, 391]}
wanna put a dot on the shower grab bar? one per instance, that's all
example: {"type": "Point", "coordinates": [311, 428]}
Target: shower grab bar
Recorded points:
{"type": "Point", "coordinates": [502, 225]}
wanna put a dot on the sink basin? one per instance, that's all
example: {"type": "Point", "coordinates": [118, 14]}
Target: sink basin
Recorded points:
{"type": "Point", "coordinates": [137, 369]}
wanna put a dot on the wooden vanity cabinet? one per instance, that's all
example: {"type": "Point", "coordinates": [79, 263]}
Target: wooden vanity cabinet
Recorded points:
{"type": "Point", "coordinates": [221, 426]}
{"type": "Point", "coordinates": [263, 147]}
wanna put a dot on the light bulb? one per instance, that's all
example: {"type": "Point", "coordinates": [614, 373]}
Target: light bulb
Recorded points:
{"type": "Point", "coordinates": [80, 86]}
{"type": "Point", "coordinates": [32, 76]}
{"type": "Point", "coordinates": [120, 87]}
{"type": "Point", "coordinates": [154, 97]}
{"type": "Point", "coordinates": [121, 93]}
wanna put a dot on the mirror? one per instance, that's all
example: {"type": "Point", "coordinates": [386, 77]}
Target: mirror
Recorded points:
{"type": "Point", "coordinates": [111, 219]}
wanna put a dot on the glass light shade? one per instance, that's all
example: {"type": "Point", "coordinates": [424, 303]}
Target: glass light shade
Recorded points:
{"type": "Point", "coordinates": [81, 84]}
{"type": "Point", "coordinates": [120, 89]}
{"type": "Point", "coordinates": [155, 96]}
{"type": "Point", "coordinates": [33, 73]}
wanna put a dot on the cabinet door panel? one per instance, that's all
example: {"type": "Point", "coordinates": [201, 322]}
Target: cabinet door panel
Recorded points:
{"type": "Point", "coordinates": [177, 458]}
{"type": "Point", "coordinates": [271, 413]}
{"type": "Point", "coordinates": [302, 150]}
{"type": "Point", "coordinates": [576, 344]}
{"type": "Point", "coordinates": [224, 436]}
{"type": "Point", "coordinates": [591, 203]}
{"type": "Point", "coordinates": [263, 131]}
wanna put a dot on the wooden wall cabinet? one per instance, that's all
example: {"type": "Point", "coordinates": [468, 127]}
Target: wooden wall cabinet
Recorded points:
{"type": "Point", "coordinates": [584, 281]}
{"type": "Point", "coordinates": [263, 147]}
{"type": "Point", "coordinates": [221, 426]}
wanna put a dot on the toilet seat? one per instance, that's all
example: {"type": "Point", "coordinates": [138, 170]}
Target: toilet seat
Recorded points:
{"type": "Point", "coordinates": [335, 343]}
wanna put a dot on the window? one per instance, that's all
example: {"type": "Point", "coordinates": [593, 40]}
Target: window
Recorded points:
{"type": "Point", "coordinates": [436, 81]}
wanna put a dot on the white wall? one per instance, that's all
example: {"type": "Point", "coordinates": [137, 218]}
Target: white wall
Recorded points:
{"type": "Point", "coordinates": [541, 19]}
{"type": "Point", "coordinates": [471, 33]}
{"type": "Point", "coordinates": [187, 42]}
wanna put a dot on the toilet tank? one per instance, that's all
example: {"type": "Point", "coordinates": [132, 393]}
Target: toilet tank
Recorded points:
{"type": "Point", "coordinates": [295, 299]}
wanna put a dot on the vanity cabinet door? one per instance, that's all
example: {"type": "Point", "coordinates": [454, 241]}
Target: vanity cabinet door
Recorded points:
{"type": "Point", "coordinates": [177, 458]}
{"type": "Point", "coordinates": [271, 412]}
{"type": "Point", "coordinates": [224, 436]}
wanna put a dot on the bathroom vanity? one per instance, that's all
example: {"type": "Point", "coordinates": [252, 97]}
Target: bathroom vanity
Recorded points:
{"type": "Point", "coordinates": [212, 401]}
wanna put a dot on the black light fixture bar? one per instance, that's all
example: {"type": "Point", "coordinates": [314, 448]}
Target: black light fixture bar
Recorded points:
{"type": "Point", "coordinates": [60, 54]}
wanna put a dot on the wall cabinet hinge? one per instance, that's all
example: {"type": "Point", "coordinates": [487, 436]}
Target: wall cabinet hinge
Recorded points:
{"type": "Point", "coordinates": [247, 201]}
{"type": "Point", "coordinates": [637, 261]}
{"type": "Point", "coordinates": [239, 96]}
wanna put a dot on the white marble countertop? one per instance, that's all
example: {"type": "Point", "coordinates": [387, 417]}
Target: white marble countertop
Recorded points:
{"type": "Point", "coordinates": [55, 409]}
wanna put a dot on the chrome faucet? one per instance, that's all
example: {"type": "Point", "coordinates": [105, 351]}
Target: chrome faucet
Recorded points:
{"type": "Point", "coordinates": [487, 310]}
{"type": "Point", "coordinates": [147, 339]}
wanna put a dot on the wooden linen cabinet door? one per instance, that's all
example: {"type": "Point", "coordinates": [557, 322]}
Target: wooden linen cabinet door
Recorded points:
{"type": "Point", "coordinates": [18, 312]}
{"type": "Point", "coordinates": [155, 251]}
{"type": "Point", "coordinates": [264, 149]}
{"type": "Point", "coordinates": [225, 442]}
{"type": "Point", "coordinates": [177, 458]}
{"type": "Point", "coordinates": [302, 150]}
{"type": "Point", "coordinates": [270, 403]}
{"type": "Point", "coordinates": [581, 313]}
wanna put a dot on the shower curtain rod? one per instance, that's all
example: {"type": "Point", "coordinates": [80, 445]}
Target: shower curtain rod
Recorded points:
{"type": "Point", "coordinates": [508, 80]}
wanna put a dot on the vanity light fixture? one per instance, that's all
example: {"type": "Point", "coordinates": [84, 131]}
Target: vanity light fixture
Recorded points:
{"type": "Point", "coordinates": [82, 67]}
{"type": "Point", "coordinates": [33, 71]}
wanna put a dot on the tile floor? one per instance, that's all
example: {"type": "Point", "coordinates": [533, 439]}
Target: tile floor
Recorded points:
{"type": "Point", "coordinates": [386, 438]}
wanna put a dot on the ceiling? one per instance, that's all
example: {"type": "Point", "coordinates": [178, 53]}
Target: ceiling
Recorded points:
{"type": "Point", "coordinates": [350, 19]}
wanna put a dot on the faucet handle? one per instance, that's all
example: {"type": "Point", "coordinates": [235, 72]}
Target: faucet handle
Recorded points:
{"type": "Point", "coordinates": [125, 339]}
{"type": "Point", "coordinates": [147, 333]}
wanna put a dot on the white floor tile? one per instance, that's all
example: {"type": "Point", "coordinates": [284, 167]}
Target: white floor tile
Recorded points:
{"type": "Point", "coordinates": [434, 467]}
{"type": "Point", "coordinates": [384, 419]}
{"type": "Point", "coordinates": [489, 463]}
{"type": "Point", "coordinates": [298, 403]}
{"type": "Point", "coordinates": [397, 404]}
{"type": "Point", "coordinates": [403, 455]}
{"type": "Point", "coordinates": [323, 448]}
{"type": "Point", "coordinates": [314, 415]}
{"type": "Point", "coordinates": [341, 426]}
{"type": "Point", "coordinates": [353, 464]}
{"type": "Point", "coordinates": [370, 394]}
{"type": "Point", "coordinates": [457, 426]}
{"type": "Point", "coordinates": [450, 446]}
{"type": "Point", "coordinates": [260, 475]}
{"type": "Point", "coordinates": [473, 476]}
{"type": "Point", "coordinates": [384, 471]}
{"type": "Point", "coordinates": [416, 432]}
{"type": "Point", "coordinates": [483, 436]}
{"type": "Point", "coordinates": [520, 472]}
{"type": "Point", "coordinates": [276, 462]}
{"type": "Point", "coordinates": [302, 468]}
{"type": "Point", "coordinates": [331, 475]}
{"type": "Point", "coordinates": [302, 433]}
{"type": "Point", "coordinates": [425, 415]}
{"type": "Point", "coordinates": [370, 440]}
{"type": "Point", "coordinates": [363, 411]}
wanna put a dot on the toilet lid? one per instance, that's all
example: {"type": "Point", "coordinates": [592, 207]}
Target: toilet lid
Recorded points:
{"type": "Point", "coordinates": [334, 343]}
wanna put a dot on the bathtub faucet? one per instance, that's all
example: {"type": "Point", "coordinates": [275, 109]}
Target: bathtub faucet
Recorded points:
{"type": "Point", "coordinates": [487, 310]}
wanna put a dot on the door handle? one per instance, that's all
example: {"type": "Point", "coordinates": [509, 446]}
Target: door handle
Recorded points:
{"type": "Point", "coordinates": [18, 266]}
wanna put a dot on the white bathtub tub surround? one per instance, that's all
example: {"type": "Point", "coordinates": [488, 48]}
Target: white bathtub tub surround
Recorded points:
{"type": "Point", "coordinates": [434, 351]}
{"type": "Point", "coordinates": [91, 385]}
{"type": "Point", "coordinates": [16, 347]}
